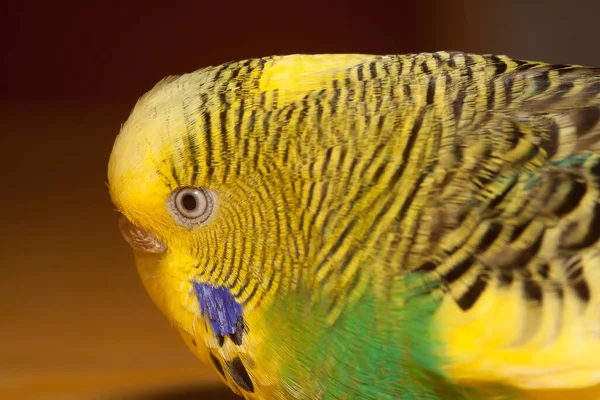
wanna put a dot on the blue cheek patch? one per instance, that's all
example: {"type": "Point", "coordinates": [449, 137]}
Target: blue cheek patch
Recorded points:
{"type": "Point", "coordinates": [223, 312]}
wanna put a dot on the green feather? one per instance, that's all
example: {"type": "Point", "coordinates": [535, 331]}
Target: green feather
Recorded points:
{"type": "Point", "coordinates": [374, 350]}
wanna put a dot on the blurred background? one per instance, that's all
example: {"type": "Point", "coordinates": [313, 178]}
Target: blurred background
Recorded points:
{"type": "Point", "coordinates": [75, 322]}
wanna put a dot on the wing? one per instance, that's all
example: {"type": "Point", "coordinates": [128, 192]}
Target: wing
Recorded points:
{"type": "Point", "coordinates": [515, 230]}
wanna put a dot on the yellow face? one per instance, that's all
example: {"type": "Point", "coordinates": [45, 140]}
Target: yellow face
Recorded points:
{"type": "Point", "coordinates": [195, 207]}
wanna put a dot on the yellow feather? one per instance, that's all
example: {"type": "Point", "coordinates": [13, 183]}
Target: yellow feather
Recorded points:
{"type": "Point", "coordinates": [339, 174]}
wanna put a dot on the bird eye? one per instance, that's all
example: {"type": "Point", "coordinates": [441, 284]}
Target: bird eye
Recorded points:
{"type": "Point", "coordinates": [191, 206]}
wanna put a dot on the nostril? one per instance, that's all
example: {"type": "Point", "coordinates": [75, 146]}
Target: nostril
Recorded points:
{"type": "Point", "coordinates": [139, 238]}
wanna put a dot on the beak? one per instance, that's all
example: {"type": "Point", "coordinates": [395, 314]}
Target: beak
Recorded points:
{"type": "Point", "coordinates": [140, 239]}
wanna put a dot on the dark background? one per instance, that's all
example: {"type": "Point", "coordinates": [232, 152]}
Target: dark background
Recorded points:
{"type": "Point", "coordinates": [74, 319]}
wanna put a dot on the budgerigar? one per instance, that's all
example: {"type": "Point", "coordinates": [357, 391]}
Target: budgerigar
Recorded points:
{"type": "Point", "coordinates": [422, 226]}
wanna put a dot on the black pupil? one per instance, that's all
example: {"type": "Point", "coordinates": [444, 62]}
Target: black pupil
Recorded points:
{"type": "Point", "coordinates": [189, 202]}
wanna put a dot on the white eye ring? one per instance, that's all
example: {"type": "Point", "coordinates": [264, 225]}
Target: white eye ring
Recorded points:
{"type": "Point", "coordinates": [191, 206]}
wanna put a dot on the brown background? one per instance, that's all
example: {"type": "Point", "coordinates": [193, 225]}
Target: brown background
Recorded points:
{"type": "Point", "coordinates": [74, 319]}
